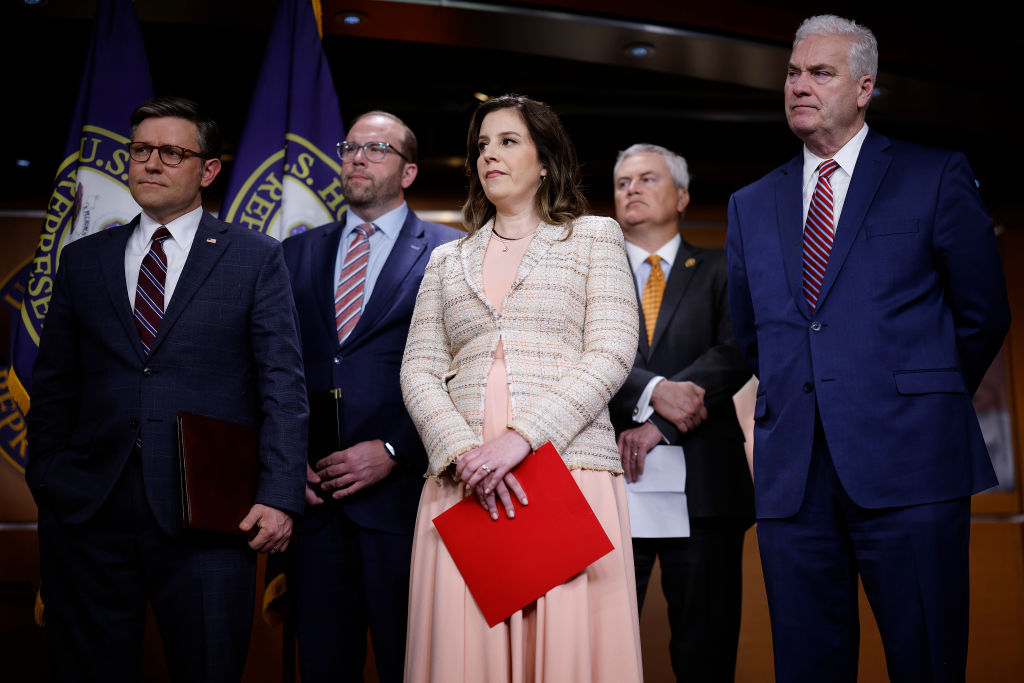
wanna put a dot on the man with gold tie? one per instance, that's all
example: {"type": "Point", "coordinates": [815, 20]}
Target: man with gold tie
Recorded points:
{"type": "Point", "coordinates": [690, 493]}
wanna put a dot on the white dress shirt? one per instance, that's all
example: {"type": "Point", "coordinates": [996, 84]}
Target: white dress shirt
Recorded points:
{"type": "Point", "coordinates": [183, 232]}
{"type": "Point", "coordinates": [642, 271]}
{"type": "Point", "coordinates": [846, 157]}
{"type": "Point", "coordinates": [381, 242]}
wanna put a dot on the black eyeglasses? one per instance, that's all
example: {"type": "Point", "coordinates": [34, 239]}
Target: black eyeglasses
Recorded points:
{"type": "Point", "coordinates": [373, 151]}
{"type": "Point", "coordinates": [171, 155]}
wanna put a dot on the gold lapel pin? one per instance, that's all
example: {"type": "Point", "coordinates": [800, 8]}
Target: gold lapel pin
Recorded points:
{"type": "Point", "coordinates": [690, 262]}
{"type": "Point", "coordinates": [213, 240]}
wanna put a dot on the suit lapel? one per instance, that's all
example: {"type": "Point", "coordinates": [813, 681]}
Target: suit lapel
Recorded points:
{"type": "Point", "coordinates": [112, 260]}
{"type": "Point", "coordinates": [409, 248]}
{"type": "Point", "coordinates": [539, 245]}
{"type": "Point", "coordinates": [322, 263]}
{"type": "Point", "coordinates": [683, 268]}
{"type": "Point", "coordinates": [872, 163]}
{"type": "Point", "coordinates": [789, 205]}
{"type": "Point", "coordinates": [643, 348]}
{"type": "Point", "coordinates": [201, 259]}
{"type": "Point", "coordinates": [471, 251]}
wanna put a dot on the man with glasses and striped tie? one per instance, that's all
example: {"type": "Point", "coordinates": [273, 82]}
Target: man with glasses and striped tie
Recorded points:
{"type": "Point", "coordinates": [175, 311]}
{"type": "Point", "coordinates": [868, 295]}
{"type": "Point", "coordinates": [355, 284]}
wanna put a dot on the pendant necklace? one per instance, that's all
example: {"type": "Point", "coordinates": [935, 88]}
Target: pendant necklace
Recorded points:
{"type": "Point", "coordinates": [506, 240]}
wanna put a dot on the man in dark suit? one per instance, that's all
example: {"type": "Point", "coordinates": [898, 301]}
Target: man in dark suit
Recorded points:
{"type": "Point", "coordinates": [867, 292]}
{"type": "Point", "coordinates": [175, 311]}
{"type": "Point", "coordinates": [355, 284]}
{"type": "Point", "coordinates": [677, 403]}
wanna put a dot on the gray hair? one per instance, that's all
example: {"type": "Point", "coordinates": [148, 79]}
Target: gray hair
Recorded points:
{"type": "Point", "coordinates": [676, 164]}
{"type": "Point", "coordinates": [863, 57]}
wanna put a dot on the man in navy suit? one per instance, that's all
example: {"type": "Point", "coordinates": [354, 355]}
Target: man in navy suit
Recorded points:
{"type": "Point", "coordinates": [678, 400]}
{"type": "Point", "coordinates": [355, 284]}
{"type": "Point", "coordinates": [103, 464]}
{"type": "Point", "coordinates": [867, 292]}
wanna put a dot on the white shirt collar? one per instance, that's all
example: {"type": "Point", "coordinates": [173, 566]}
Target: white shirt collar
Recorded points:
{"type": "Point", "coordinates": [637, 255]}
{"type": "Point", "coordinates": [390, 223]}
{"type": "Point", "coordinates": [183, 228]}
{"type": "Point", "coordinates": [846, 157]}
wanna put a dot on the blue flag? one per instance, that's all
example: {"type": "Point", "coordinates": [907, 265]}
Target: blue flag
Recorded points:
{"type": "Point", "coordinates": [285, 176]}
{"type": "Point", "coordinates": [90, 190]}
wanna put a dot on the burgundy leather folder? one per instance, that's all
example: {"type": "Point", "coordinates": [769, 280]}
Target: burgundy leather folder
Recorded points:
{"type": "Point", "coordinates": [220, 469]}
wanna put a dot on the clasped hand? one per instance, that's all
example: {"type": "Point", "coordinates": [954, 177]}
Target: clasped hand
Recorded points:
{"type": "Point", "coordinates": [487, 472]}
{"type": "Point", "coordinates": [681, 403]}
{"type": "Point", "coordinates": [343, 473]}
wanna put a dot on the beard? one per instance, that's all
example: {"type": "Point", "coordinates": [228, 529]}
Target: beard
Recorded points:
{"type": "Point", "coordinates": [376, 190]}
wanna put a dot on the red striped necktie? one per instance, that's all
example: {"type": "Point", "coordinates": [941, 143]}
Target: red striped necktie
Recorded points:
{"type": "Point", "coordinates": [818, 233]}
{"type": "Point", "coordinates": [149, 292]}
{"type": "Point", "coordinates": [348, 297]}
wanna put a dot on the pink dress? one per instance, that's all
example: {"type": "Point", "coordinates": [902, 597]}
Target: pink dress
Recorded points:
{"type": "Point", "coordinates": [585, 630]}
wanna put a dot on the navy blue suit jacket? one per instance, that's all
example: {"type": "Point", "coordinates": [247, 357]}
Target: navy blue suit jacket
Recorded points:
{"type": "Point", "coordinates": [912, 311]}
{"type": "Point", "coordinates": [227, 348]}
{"type": "Point", "coordinates": [366, 366]}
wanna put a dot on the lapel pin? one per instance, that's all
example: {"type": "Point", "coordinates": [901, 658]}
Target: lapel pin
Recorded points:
{"type": "Point", "coordinates": [211, 240]}
{"type": "Point", "coordinates": [690, 262]}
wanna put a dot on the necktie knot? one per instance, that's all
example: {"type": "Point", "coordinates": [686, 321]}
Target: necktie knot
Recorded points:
{"type": "Point", "coordinates": [365, 230]}
{"type": "Point", "coordinates": [827, 168]}
{"type": "Point", "coordinates": [161, 235]}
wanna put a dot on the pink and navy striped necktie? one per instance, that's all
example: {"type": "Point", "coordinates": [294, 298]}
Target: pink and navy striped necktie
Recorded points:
{"type": "Point", "coordinates": [818, 233]}
{"type": "Point", "coordinates": [348, 297]}
{"type": "Point", "coordinates": [149, 292]}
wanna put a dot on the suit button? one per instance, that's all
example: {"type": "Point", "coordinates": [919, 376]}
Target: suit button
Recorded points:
{"type": "Point", "coordinates": [816, 326]}
{"type": "Point", "coordinates": [808, 387]}
{"type": "Point", "coordinates": [133, 422]}
{"type": "Point", "coordinates": [147, 372]}
{"type": "Point", "coordinates": [337, 361]}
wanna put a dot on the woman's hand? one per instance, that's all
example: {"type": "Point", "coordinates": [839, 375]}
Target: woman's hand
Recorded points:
{"type": "Point", "coordinates": [487, 471]}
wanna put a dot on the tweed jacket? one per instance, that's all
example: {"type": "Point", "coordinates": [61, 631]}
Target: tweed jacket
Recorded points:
{"type": "Point", "coordinates": [569, 330]}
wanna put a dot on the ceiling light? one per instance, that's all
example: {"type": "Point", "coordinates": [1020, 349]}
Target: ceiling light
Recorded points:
{"type": "Point", "coordinates": [351, 17]}
{"type": "Point", "coordinates": [639, 50]}
{"type": "Point", "coordinates": [482, 97]}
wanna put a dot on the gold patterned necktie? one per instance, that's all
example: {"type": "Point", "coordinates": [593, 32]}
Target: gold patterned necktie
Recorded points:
{"type": "Point", "coordinates": [650, 300]}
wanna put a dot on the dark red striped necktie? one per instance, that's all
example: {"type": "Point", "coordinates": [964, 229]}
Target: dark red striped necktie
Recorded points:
{"type": "Point", "coordinates": [818, 233]}
{"type": "Point", "coordinates": [149, 292]}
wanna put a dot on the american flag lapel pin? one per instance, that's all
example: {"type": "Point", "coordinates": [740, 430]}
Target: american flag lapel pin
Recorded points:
{"type": "Point", "coordinates": [211, 240]}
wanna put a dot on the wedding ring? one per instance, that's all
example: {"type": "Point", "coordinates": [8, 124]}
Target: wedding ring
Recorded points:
{"type": "Point", "coordinates": [635, 454]}
{"type": "Point", "coordinates": [485, 468]}
{"type": "Point", "coordinates": [274, 549]}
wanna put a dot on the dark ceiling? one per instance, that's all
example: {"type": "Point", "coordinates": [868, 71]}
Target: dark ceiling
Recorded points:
{"type": "Point", "coordinates": [711, 90]}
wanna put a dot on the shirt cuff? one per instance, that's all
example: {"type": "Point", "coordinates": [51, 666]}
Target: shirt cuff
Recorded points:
{"type": "Point", "coordinates": [642, 411]}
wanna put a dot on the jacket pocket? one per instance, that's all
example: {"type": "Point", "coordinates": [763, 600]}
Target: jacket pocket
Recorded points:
{"type": "Point", "coordinates": [891, 226]}
{"type": "Point", "coordinates": [944, 381]}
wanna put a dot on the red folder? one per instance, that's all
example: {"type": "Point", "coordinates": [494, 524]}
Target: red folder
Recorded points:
{"type": "Point", "coordinates": [509, 563]}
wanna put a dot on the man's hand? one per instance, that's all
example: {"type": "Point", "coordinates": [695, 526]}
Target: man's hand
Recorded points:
{"type": "Point", "coordinates": [312, 487]}
{"type": "Point", "coordinates": [353, 469]}
{"type": "Point", "coordinates": [633, 447]}
{"type": "Point", "coordinates": [681, 403]}
{"type": "Point", "coordinates": [274, 528]}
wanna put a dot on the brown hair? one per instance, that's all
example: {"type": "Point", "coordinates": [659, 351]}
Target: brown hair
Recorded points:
{"type": "Point", "coordinates": [207, 131]}
{"type": "Point", "coordinates": [559, 197]}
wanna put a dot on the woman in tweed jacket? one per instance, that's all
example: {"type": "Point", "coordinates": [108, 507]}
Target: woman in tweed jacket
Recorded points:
{"type": "Point", "coordinates": [522, 333]}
